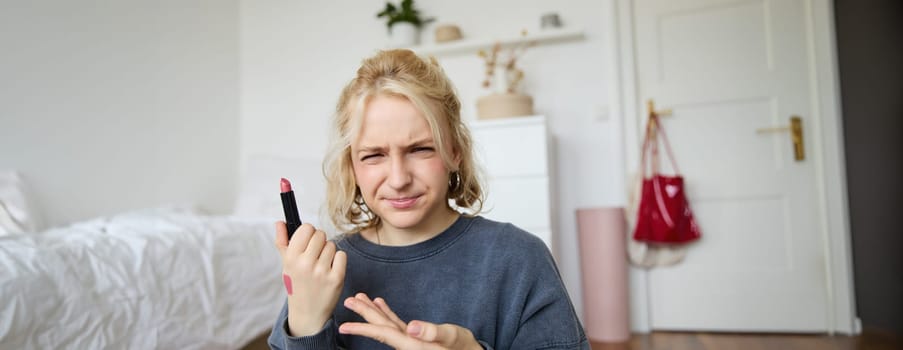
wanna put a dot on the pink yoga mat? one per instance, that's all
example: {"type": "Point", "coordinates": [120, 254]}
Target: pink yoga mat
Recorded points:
{"type": "Point", "coordinates": [603, 261]}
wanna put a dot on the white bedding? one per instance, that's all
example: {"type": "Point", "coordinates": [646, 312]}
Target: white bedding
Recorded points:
{"type": "Point", "coordinates": [153, 279]}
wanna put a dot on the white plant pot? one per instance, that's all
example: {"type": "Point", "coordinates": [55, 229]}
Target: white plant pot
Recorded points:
{"type": "Point", "coordinates": [404, 34]}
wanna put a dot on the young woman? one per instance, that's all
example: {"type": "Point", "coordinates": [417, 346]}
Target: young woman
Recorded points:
{"type": "Point", "coordinates": [414, 272]}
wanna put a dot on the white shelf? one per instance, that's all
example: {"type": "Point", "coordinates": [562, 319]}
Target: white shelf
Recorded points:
{"type": "Point", "coordinates": [508, 122]}
{"type": "Point", "coordinates": [467, 46]}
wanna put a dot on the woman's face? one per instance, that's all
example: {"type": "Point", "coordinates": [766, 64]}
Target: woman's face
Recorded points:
{"type": "Point", "coordinates": [398, 167]}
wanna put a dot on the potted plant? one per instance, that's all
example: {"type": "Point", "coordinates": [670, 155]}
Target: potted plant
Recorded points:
{"type": "Point", "coordinates": [404, 23]}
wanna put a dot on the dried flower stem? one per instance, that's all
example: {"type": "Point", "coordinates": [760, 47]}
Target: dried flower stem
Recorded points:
{"type": "Point", "coordinates": [513, 75]}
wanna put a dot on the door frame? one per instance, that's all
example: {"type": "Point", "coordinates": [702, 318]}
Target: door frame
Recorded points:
{"type": "Point", "coordinates": [828, 155]}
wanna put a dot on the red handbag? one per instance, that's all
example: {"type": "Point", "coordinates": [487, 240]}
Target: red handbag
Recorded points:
{"type": "Point", "coordinates": [663, 215]}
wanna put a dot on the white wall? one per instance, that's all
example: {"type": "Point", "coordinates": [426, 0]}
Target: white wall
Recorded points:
{"type": "Point", "coordinates": [296, 57]}
{"type": "Point", "coordinates": [107, 106]}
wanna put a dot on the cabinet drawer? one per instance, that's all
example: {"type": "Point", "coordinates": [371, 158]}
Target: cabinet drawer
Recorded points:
{"type": "Point", "coordinates": [514, 150]}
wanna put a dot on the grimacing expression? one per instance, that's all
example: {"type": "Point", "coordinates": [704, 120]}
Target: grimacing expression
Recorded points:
{"type": "Point", "coordinates": [398, 167]}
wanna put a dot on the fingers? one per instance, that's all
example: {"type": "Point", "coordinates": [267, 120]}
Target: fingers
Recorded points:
{"type": "Point", "coordinates": [381, 304]}
{"type": "Point", "coordinates": [338, 265]}
{"type": "Point", "coordinates": [382, 309]}
{"type": "Point", "coordinates": [388, 335]}
{"type": "Point", "coordinates": [447, 335]}
{"type": "Point", "coordinates": [281, 238]}
{"type": "Point", "coordinates": [366, 300]}
{"type": "Point", "coordinates": [384, 326]}
{"type": "Point", "coordinates": [362, 305]}
{"type": "Point", "coordinates": [326, 256]}
{"type": "Point", "coordinates": [299, 242]}
{"type": "Point", "coordinates": [315, 245]}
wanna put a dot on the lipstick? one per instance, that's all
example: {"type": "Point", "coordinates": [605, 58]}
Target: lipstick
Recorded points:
{"type": "Point", "coordinates": [292, 218]}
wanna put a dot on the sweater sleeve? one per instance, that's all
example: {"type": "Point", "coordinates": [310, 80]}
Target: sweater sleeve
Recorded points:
{"type": "Point", "coordinates": [548, 319]}
{"type": "Point", "coordinates": [280, 338]}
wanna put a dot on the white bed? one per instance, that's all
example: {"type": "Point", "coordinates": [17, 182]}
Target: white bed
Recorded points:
{"type": "Point", "coordinates": [167, 278]}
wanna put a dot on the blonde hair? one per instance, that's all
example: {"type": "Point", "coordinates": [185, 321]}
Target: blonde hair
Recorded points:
{"type": "Point", "coordinates": [398, 73]}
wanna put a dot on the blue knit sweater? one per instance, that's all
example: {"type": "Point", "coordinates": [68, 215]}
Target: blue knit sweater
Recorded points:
{"type": "Point", "coordinates": [496, 280]}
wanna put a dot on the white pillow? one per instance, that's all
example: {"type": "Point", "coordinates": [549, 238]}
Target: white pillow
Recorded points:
{"type": "Point", "coordinates": [259, 192]}
{"type": "Point", "coordinates": [17, 214]}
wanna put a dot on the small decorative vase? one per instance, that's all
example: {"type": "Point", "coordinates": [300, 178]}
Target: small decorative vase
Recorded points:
{"type": "Point", "coordinates": [500, 75]}
{"type": "Point", "coordinates": [404, 34]}
{"type": "Point", "coordinates": [504, 105]}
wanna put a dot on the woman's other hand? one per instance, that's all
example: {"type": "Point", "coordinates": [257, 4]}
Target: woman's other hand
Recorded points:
{"type": "Point", "coordinates": [385, 327]}
{"type": "Point", "coordinates": [314, 272]}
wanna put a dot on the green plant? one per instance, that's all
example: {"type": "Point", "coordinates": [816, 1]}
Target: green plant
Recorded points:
{"type": "Point", "coordinates": [405, 13]}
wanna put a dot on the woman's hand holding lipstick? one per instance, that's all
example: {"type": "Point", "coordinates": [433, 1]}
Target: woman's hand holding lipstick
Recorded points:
{"type": "Point", "coordinates": [314, 272]}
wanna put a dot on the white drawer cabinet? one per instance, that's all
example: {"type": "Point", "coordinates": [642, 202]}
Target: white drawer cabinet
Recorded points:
{"type": "Point", "coordinates": [514, 154]}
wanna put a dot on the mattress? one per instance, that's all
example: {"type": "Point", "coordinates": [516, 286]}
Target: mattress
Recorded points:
{"type": "Point", "coordinates": [162, 278]}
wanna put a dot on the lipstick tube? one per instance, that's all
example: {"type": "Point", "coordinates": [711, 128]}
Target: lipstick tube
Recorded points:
{"type": "Point", "coordinates": [290, 207]}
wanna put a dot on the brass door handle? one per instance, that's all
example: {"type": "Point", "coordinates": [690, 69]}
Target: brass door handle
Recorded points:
{"type": "Point", "coordinates": [796, 135]}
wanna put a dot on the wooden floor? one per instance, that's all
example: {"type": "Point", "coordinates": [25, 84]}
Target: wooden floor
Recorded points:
{"type": "Point", "coordinates": [868, 340]}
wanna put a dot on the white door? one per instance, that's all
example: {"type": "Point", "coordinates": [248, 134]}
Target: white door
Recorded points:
{"type": "Point", "coordinates": [727, 68]}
